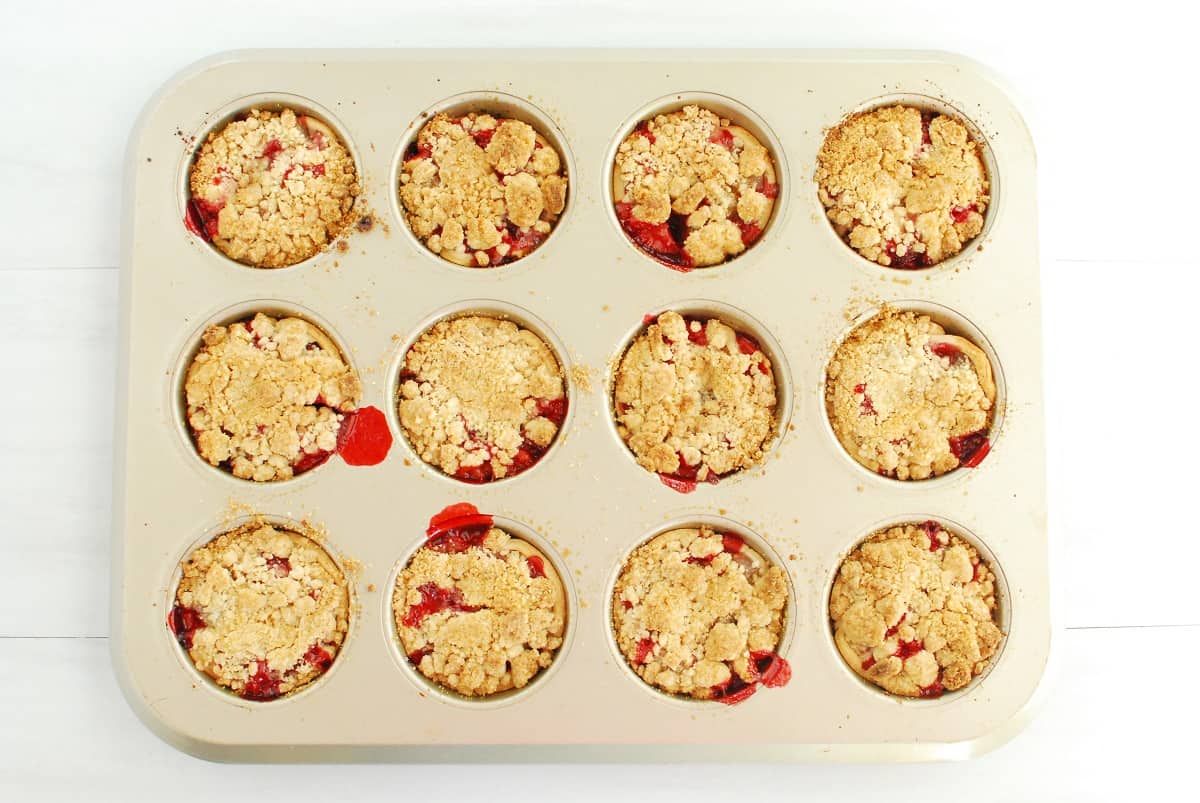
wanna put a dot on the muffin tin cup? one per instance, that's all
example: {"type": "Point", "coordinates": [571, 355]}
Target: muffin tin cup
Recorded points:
{"type": "Point", "coordinates": [1003, 615]}
{"type": "Point", "coordinates": [201, 680]}
{"type": "Point", "coordinates": [487, 308]}
{"type": "Point", "coordinates": [236, 110]}
{"type": "Point", "coordinates": [937, 105]}
{"type": "Point", "coordinates": [738, 114]}
{"type": "Point", "coordinates": [954, 324]}
{"type": "Point", "coordinates": [585, 290]}
{"type": "Point", "coordinates": [436, 690]}
{"type": "Point", "coordinates": [756, 542]}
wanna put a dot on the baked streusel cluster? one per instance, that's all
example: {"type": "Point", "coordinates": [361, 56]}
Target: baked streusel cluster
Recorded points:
{"type": "Point", "coordinates": [699, 613]}
{"type": "Point", "coordinates": [691, 189]}
{"type": "Point", "coordinates": [903, 188]}
{"type": "Point", "coordinates": [482, 191]}
{"type": "Point", "coordinates": [481, 398]}
{"type": "Point", "coordinates": [907, 400]}
{"type": "Point", "coordinates": [914, 611]}
{"type": "Point", "coordinates": [262, 610]}
{"type": "Point", "coordinates": [273, 188]}
{"type": "Point", "coordinates": [695, 399]}
{"type": "Point", "coordinates": [479, 611]}
{"type": "Point", "coordinates": [265, 397]}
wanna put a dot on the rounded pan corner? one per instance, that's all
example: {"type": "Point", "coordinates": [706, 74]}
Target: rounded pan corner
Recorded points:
{"type": "Point", "coordinates": [174, 734]}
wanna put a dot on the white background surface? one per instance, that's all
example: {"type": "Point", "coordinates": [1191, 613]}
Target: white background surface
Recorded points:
{"type": "Point", "coordinates": [1109, 102]}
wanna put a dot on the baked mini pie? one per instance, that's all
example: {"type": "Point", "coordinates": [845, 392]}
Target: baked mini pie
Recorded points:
{"type": "Point", "coordinates": [262, 610]}
{"type": "Point", "coordinates": [481, 398]}
{"type": "Point", "coordinates": [266, 397]}
{"type": "Point", "coordinates": [477, 610]}
{"type": "Point", "coordinates": [699, 613]}
{"type": "Point", "coordinates": [692, 189]}
{"type": "Point", "coordinates": [482, 191]}
{"type": "Point", "coordinates": [907, 400]}
{"type": "Point", "coordinates": [903, 187]}
{"type": "Point", "coordinates": [694, 399]}
{"type": "Point", "coordinates": [914, 611]}
{"type": "Point", "coordinates": [272, 188]}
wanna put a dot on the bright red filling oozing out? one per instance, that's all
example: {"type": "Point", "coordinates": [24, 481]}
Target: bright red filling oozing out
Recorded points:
{"type": "Point", "coordinates": [729, 543]}
{"type": "Point", "coordinates": [933, 530]}
{"type": "Point", "coordinates": [907, 649]}
{"type": "Point", "coordinates": [364, 438]}
{"type": "Point", "coordinates": [944, 349]}
{"type": "Point", "coordinates": [961, 213]}
{"type": "Point", "coordinates": [457, 528]}
{"type": "Point", "coordinates": [184, 622]}
{"type": "Point", "coordinates": [891, 631]}
{"type": "Point", "coordinates": [435, 599]}
{"type": "Point", "coordinates": [537, 566]}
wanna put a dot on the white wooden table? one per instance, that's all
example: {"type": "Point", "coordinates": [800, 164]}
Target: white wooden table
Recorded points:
{"type": "Point", "coordinates": [1118, 182]}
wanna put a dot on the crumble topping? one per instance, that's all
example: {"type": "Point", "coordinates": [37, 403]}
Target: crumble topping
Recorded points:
{"type": "Point", "coordinates": [914, 611]}
{"type": "Point", "coordinates": [907, 400]}
{"type": "Point", "coordinates": [482, 191]}
{"type": "Point", "coordinates": [902, 187]}
{"type": "Point", "coordinates": [483, 619]}
{"type": "Point", "coordinates": [695, 399]}
{"type": "Point", "coordinates": [265, 397]}
{"type": "Point", "coordinates": [691, 189]}
{"type": "Point", "coordinates": [481, 398]}
{"type": "Point", "coordinates": [261, 610]}
{"type": "Point", "coordinates": [695, 609]}
{"type": "Point", "coordinates": [272, 189]}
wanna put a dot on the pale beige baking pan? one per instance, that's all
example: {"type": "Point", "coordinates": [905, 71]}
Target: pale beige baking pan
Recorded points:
{"type": "Point", "coordinates": [798, 290]}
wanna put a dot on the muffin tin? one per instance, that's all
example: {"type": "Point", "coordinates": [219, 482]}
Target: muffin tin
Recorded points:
{"type": "Point", "coordinates": [586, 503]}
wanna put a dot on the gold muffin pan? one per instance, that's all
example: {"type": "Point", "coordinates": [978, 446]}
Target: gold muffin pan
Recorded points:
{"type": "Point", "coordinates": [798, 290]}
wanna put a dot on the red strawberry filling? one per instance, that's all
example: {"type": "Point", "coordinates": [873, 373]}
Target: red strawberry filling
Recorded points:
{"type": "Point", "coordinates": [933, 530]}
{"type": "Point", "coordinates": [643, 128]}
{"type": "Point", "coordinates": [537, 566]}
{"type": "Point", "coordinates": [663, 241]}
{"type": "Point", "coordinates": [910, 261]}
{"type": "Point", "coordinates": [184, 622]}
{"type": "Point", "coordinates": [528, 454]}
{"type": "Point", "coordinates": [970, 449]}
{"type": "Point", "coordinates": [940, 348]}
{"type": "Point", "coordinates": [961, 213]}
{"type": "Point", "coordinates": [281, 566]}
{"type": "Point", "coordinates": [644, 648]}
{"type": "Point", "coordinates": [263, 684]}
{"type": "Point", "coordinates": [866, 406]}
{"type": "Point", "coordinates": [319, 657]}
{"type": "Point", "coordinates": [435, 599]}
{"type": "Point", "coordinates": [907, 649]}
{"type": "Point", "coordinates": [722, 137]}
{"type": "Point", "coordinates": [729, 543]}
{"type": "Point", "coordinates": [273, 149]}
{"type": "Point", "coordinates": [200, 218]}
{"type": "Point", "coordinates": [935, 689]}
{"type": "Point", "coordinates": [891, 631]}
{"type": "Point", "coordinates": [767, 668]}
{"type": "Point", "coordinates": [457, 528]}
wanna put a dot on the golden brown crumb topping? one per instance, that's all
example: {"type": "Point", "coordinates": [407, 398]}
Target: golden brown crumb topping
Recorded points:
{"type": "Point", "coordinates": [908, 400]}
{"type": "Point", "coordinates": [914, 611]}
{"type": "Point", "coordinates": [262, 610]}
{"type": "Point", "coordinates": [691, 189]}
{"type": "Point", "coordinates": [482, 191]}
{"type": "Point", "coordinates": [265, 397]}
{"type": "Point", "coordinates": [903, 188]}
{"type": "Point", "coordinates": [694, 607]}
{"type": "Point", "coordinates": [272, 189]}
{"type": "Point", "coordinates": [482, 620]}
{"type": "Point", "coordinates": [481, 398]}
{"type": "Point", "coordinates": [695, 399]}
